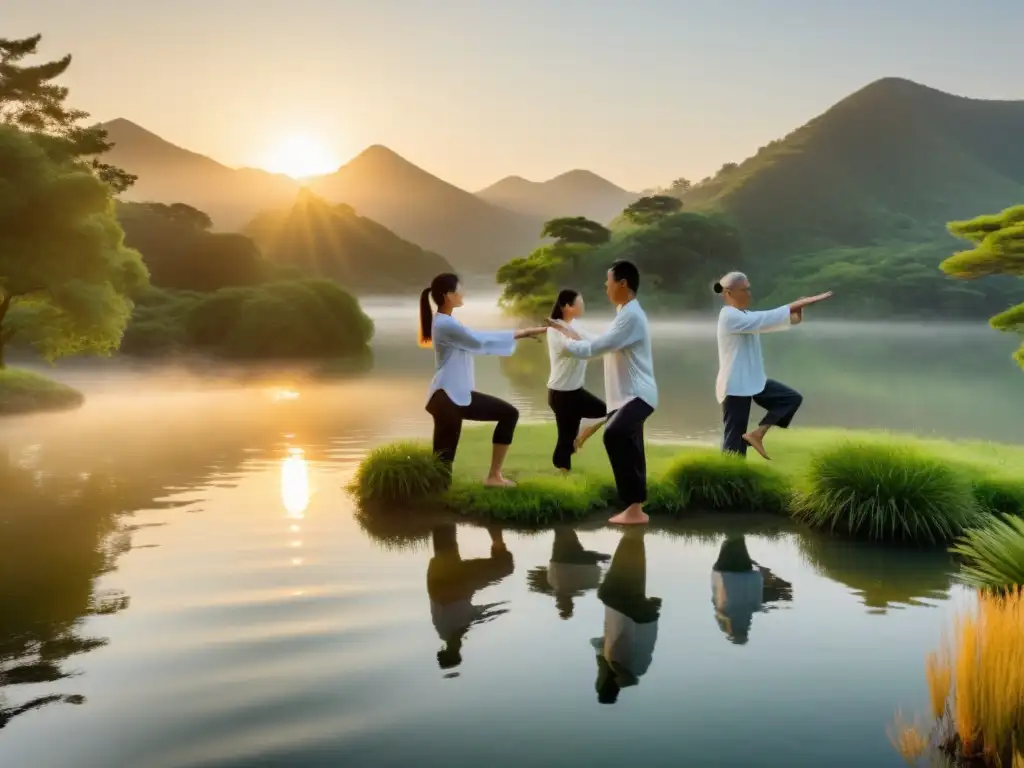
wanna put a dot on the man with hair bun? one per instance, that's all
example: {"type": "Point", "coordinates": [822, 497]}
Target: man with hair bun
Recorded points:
{"type": "Point", "coordinates": [741, 375]}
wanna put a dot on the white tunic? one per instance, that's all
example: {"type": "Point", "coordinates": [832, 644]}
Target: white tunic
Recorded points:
{"type": "Point", "coordinates": [627, 643]}
{"type": "Point", "coordinates": [629, 367]}
{"type": "Point", "coordinates": [567, 373]}
{"type": "Point", "coordinates": [454, 346]}
{"type": "Point", "coordinates": [740, 361]}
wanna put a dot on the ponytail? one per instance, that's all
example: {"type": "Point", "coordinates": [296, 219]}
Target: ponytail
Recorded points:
{"type": "Point", "coordinates": [440, 287]}
{"type": "Point", "coordinates": [426, 319]}
{"type": "Point", "coordinates": [566, 297]}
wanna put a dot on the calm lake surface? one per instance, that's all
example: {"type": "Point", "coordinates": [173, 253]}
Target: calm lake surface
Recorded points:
{"type": "Point", "coordinates": [185, 582]}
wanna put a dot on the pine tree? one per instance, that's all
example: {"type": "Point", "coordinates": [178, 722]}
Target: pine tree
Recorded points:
{"type": "Point", "coordinates": [31, 100]}
{"type": "Point", "coordinates": [998, 250]}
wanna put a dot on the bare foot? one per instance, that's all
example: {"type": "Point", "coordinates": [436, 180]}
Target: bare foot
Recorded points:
{"type": "Point", "coordinates": [754, 441]}
{"type": "Point", "coordinates": [633, 515]}
{"type": "Point", "coordinates": [498, 482]}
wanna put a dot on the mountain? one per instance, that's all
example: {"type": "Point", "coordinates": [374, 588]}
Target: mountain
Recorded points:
{"type": "Point", "coordinates": [893, 162]}
{"type": "Point", "coordinates": [169, 174]}
{"type": "Point", "coordinates": [856, 201]}
{"type": "Point", "coordinates": [378, 183]}
{"type": "Point", "coordinates": [576, 193]}
{"type": "Point", "coordinates": [474, 234]}
{"type": "Point", "coordinates": [331, 240]}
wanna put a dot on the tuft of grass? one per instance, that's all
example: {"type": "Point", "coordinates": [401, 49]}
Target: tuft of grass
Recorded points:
{"type": "Point", "coordinates": [886, 492]}
{"type": "Point", "coordinates": [712, 481]}
{"type": "Point", "coordinates": [976, 685]}
{"type": "Point", "coordinates": [534, 500]}
{"type": "Point", "coordinates": [24, 392]}
{"type": "Point", "coordinates": [400, 473]}
{"type": "Point", "coordinates": [999, 495]}
{"type": "Point", "coordinates": [691, 477]}
{"type": "Point", "coordinates": [993, 554]}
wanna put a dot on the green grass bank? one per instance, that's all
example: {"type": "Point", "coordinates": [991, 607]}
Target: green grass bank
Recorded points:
{"type": "Point", "coordinates": [867, 485]}
{"type": "Point", "coordinates": [23, 392]}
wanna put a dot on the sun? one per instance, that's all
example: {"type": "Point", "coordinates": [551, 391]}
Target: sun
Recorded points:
{"type": "Point", "coordinates": [301, 157]}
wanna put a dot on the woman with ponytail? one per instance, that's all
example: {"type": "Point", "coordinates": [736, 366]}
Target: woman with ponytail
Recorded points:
{"type": "Point", "coordinates": [569, 401]}
{"type": "Point", "coordinates": [451, 399]}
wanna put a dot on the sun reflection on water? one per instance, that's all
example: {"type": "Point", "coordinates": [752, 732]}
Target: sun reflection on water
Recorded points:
{"type": "Point", "coordinates": [295, 484]}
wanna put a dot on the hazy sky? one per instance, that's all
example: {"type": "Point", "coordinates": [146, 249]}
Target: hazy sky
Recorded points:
{"type": "Point", "coordinates": [640, 91]}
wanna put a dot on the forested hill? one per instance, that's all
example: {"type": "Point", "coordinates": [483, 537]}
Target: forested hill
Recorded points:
{"type": "Point", "coordinates": [860, 196]}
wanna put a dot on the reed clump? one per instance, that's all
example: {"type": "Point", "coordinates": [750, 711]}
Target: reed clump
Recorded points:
{"type": "Point", "coordinates": [976, 690]}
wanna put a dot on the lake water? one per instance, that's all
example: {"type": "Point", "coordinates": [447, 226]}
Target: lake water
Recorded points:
{"type": "Point", "coordinates": [184, 581]}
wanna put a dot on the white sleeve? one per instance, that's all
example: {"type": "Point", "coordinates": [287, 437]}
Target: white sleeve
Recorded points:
{"type": "Point", "coordinates": [770, 320]}
{"type": "Point", "coordinates": [624, 331]}
{"type": "Point", "coordinates": [455, 334]}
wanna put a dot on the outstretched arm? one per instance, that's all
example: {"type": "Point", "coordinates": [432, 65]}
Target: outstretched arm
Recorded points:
{"type": "Point", "coordinates": [736, 321]}
{"type": "Point", "coordinates": [624, 331]}
{"type": "Point", "coordinates": [499, 343]}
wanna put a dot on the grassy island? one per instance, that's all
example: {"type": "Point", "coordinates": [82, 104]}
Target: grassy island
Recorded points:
{"type": "Point", "coordinates": [24, 392]}
{"type": "Point", "coordinates": [868, 485]}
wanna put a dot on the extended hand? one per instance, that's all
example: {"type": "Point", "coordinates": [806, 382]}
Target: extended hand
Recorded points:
{"type": "Point", "coordinates": [799, 304]}
{"type": "Point", "coordinates": [565, 330]}
{"type": "Point", "coordinates": [529, 333]}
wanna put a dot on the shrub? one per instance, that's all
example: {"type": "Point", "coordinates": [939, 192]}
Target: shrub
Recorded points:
{"type": "Point", "coordinates": [400, 473]}
{"type": "Point", "coordinates": [304, 319]}
{"type": "Point", "coordinates": [885, 491]}
{"type": "Point", "coordinates": [993, 554]}
{"type": "Point", "coordinates": [999, 495]}
{"type": "Point", "coordinates": [715, 481]}
{"type": "Point", "coordinates": [27, 392]}
{"type": "Point", "coordinates": [976, 687]}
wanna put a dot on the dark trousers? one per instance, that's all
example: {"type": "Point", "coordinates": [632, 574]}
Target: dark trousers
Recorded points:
{"type": "Point", "coordinates": [570, 409]}
{"type": "Point", "coordinates": [780, 401]}
{"type": "Point", "coordinates": [624, 442]}
{"type": "Point", "coordinates": [448, 418]}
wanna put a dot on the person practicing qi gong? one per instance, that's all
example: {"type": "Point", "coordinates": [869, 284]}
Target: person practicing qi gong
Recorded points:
{"type": "Point", "coordinates": [569, 401]}
{"type": "Point", "coordinates": [629, 386]}
{"type": "Point", "coordinates": [741, 376]}
{"type": "Point", "coordinates": [451, 399]}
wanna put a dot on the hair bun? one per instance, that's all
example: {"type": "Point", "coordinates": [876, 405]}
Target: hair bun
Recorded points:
{"type": "Point", "coordinates": [718, 287]}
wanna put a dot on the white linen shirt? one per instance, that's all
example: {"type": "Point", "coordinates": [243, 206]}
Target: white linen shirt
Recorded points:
{"type": "Point", "coordinates": [740, 361]}
{"type": "Point", "coordinates": [454, 346]}
{"type": "Point", "coordinates": [629, 367]}
{"type": "Point", "coordinates": [567, 373]}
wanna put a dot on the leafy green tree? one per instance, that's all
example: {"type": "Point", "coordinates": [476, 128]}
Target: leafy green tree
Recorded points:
{"type": "Point", "coordinates": [575, 236]}
{"type": "Point", "coordinates": [65, 274]}
{"type": "Point", "coordinates": [649, 210]}
{"type": "Point", "coordinates": [182, 254]}
{"type": "Point", "coordinates": [31, 100]}
{"type": "Point", "coordinates": [998, 250]}
{"type": "Point", "coordinates": [680, 186]}
{"type": "Point", "coordinates": [577, 230]}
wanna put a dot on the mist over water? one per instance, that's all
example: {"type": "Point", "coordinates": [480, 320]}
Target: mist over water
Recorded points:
{"type": "Point", "coordinates": [190, 530]}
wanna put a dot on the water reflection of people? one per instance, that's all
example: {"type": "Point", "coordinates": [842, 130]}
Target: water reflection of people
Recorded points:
{"type": "Point", "coordinates": [451, 584]}
{"type": "Point", "coordinates": [741, 587]}
{"type": "Point", "coordinates": [572, 571]}
{"type": "Point", "coordinates": [625, 652]}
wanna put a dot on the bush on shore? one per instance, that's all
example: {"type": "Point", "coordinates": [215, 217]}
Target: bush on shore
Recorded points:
{"type": "Point", "coordinates": [297, 319]}
{"type": "Point", "coordinates": [887, 492]}
{"type": "Point", "coordinates": [714, 481]}
{"type": "Point", "coordinates": [23, 392]}
{"type": "Point", "coordinates": [902, 490]}
{"type": "Point", "coordinates": [993, 554]}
